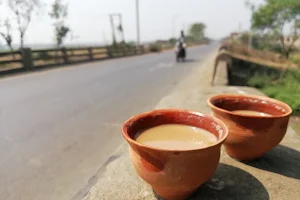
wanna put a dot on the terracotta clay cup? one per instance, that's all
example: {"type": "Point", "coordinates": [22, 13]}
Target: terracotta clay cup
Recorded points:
{"type": "Point", "coordinates": [174, 174]}
{"type": "Point", "coordinates": [251, 137]}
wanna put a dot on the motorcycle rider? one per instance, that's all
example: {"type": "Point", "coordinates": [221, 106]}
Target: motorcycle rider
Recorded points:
{"type": "Point", "coordinates": [180, 48]}
{"type": "Point", "coordinates": [180, 45]}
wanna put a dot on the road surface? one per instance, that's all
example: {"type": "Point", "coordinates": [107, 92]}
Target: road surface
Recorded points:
{"type": "Point", "coordinates": [58, 127]}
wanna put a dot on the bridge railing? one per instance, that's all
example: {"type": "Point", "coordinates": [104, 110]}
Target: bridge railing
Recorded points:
{"type": "Point", "coordinates": [10, 60]}
{"type": "Point", "coordinates": [28, 59]}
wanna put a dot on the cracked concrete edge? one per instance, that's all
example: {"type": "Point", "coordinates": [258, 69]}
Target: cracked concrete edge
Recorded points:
{"type": "Point", "coordinates": [81, 194]}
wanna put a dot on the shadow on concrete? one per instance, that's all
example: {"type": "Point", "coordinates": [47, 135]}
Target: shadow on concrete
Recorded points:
{"type": "Point", "coordinates": [281, 160]}
{"type": "Point", "coordinates": [230, 183]}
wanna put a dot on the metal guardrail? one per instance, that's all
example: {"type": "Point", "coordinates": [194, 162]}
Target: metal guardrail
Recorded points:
{"type": "Point", "coordinates": [27, 59]}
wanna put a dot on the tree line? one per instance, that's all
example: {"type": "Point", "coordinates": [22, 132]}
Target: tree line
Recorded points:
{"type": "Point", "coordinates": [277, 19]}
{"type": "Point", "coordinates": [21, 13]}
{"type": "Point", "coordinates": [197, 31]}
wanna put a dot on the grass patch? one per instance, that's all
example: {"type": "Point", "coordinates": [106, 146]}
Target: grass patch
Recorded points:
{"type": "Point", "coordinates": [285, 88]}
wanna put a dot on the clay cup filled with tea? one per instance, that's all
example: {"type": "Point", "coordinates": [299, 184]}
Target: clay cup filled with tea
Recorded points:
{"type": "Point", "coordinates": [256, 124]}
{"type": "Point", "coordinates": [175, 151]}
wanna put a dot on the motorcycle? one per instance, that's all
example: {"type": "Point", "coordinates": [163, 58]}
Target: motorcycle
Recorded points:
{"type": "Point", "coordinates": [180, 53]}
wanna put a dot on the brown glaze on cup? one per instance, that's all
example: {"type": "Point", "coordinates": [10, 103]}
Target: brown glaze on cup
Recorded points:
{"type": "Point", "coordinates": [174, 174]}
{"type": "Point", "coordinates": [251, 137]}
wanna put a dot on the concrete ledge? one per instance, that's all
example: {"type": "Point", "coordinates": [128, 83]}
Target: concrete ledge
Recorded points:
{"type": "Point", "coordinates": [276, 176]}
{"type": "Point", "coordinates": [221, 77]}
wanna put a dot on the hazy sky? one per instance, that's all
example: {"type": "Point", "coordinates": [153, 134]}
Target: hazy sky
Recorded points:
{"type": "Point", "coordinates": [89, 20]}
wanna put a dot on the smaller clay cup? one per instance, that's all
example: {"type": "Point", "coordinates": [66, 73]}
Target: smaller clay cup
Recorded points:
{"type": "Point", "coordinates": [250, 137]}
{"type": "Point", "coordinates": [174, 174]}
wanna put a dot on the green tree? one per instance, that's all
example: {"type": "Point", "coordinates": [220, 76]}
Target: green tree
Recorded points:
{"type": "Point", "coordinates": [276, 17]}
{"type": "Point", "coordinates": [197, 30]}
{"type": "Point", "coordinates": [23, 11]}
{"type": "Point", "coordinates": [59, 13]}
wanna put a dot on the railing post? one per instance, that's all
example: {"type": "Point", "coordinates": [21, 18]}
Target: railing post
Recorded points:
{"type": "Point", "coordinates": [135, 50]}
{"type": "Point", "coordinates": [91, 56]}
{"type": "Point", "coordinates": [109, 53]}
{"type": "Point", "coordinates": [65, 55]}
{"type": "Point", "coordinates": [124, 51]}
{"type": "Point", "coordinates": [27, 59]}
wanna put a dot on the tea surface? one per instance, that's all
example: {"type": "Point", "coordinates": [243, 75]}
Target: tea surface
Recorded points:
{"type": "Point", "coordinates": [251, 112]}
{"type": "Point", "coordinates": [176, 137]}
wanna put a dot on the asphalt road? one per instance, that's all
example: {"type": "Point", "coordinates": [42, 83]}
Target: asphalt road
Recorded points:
{"type": "Point", "coordinates": [58, 127]}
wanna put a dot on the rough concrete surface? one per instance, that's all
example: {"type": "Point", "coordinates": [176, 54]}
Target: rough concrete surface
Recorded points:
{"type": "Point", "coordinates": [275, 176]}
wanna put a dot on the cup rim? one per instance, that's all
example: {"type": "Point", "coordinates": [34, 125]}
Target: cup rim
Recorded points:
{"type": "Point", "coordinates": [220, 96]}
{"type": "Point", "coordinates": [141, 115]}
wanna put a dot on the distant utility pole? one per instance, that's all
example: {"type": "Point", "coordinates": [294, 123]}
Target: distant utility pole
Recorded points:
{"type": "Point", "coordinates": [120, 27]}
{"type": "Point", "coordinates": [112, 28]}
{"type": "Point", "coordinates": [137, 22]}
